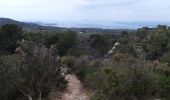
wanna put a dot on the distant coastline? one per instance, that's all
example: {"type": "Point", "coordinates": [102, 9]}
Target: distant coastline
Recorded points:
{"type": "Point", "coordinates": [105, 25]}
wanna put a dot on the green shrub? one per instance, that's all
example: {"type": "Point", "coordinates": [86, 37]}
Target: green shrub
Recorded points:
{"type": "Point", "coordinates": [35, 37]}
{"type": "Point", "coordinates": [164, 81]}
{"type": "Point", "coordinates": [164, 87]}
{"type": "Point", "coordinates": [166, 58]}
{"type": "Point", "coordinates": [9, 35]}
{"type": "Point", "coordinates": [64, 41]}
{"type": "Point", "coordinates": [101, 43]}
{"type": "Point", "coordinates": [33, 72]}
{"type": "Point", "coordinates": [120, 81]}
{"type": "Point", "coordinates": [76, 52]}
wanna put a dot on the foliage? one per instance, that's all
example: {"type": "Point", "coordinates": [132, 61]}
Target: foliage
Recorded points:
{"type": "Point", "coordinates": [35, 37]}
{"type": "Point", "coordinates": [156, 42]}
{"type": "Point", "coordinates": [165, 58]}
{"type": "Point", "coordinates": [164, 81]}
{"type": "Point", "coordinates": [77, 52]}
{"type": "Point", "coordinates": [33, 71]}
{"type": "Point", "coordinates": [130, 79]}
{"type": "Point", "coordinates": [53, 39]}
{"type": "Point", "coordinates": [124, 82]}
{"type": "Point", "coordinates": [8, 67]}
{"type": "Point", "coordinates": [142, 33]}
{"type": "Point", "coordinates": [100, 42]}
{"type": "Point", "coordinates": [164, 87]}
{"type": "Point", "coordinates": [138, 69]}
{"type": "Point", "coordinates": [64, 41]}
{"type": "Point", "coordinates": [9, 35]}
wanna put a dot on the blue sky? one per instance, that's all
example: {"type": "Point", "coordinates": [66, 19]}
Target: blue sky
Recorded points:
{"type": "Point", "coordinates": [86, 10]}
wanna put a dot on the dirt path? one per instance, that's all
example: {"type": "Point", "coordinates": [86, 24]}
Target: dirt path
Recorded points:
{"type": "Point", "coordinates": [75, 90]}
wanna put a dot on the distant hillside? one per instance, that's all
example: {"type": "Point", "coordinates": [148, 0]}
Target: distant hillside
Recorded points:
{"type": "Point", "coordinates": [99, 30]}
{"type": "Point", "coordinates": [10, 21]}
{"type": "Point", "coordinates": [26, 26]}
{"type": "Point", "coordinates": [39, 27]}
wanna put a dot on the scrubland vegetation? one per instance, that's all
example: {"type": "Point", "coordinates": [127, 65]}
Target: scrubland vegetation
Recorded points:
{"type": "Point", "coordinates": [137, 69]}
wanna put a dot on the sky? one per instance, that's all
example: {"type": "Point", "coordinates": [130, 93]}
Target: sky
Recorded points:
{"type": "Point", "coordinates": [86, 10]}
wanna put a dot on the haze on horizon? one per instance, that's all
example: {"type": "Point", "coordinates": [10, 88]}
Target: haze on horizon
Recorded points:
{"type": "Point", "coordinates": [54, 11]}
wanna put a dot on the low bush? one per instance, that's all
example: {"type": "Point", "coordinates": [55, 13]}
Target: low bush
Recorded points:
{"type": "Point", "coordinates": [121, 81]}
{"type": "Point", "coordinates": [30, 73]}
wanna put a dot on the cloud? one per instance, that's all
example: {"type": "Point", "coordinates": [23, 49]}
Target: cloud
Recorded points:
{"type": "Point", "coordinates": [82, 10]}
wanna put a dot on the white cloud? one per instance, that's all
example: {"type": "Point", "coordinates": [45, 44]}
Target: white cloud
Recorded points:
{"type": "Point", "coordinates": [76, 10]}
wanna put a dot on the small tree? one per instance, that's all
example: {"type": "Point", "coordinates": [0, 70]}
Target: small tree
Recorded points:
{"type": "Point", "coordinates": [9, 35]}
{"type": "Point", "coordinates": [34, 71]}
{"type": "Point", "coordinates": [100, 42]}
{"type": "Point", "coordinates": [64, 41]}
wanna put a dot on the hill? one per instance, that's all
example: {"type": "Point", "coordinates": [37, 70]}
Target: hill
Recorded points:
{"type": "Point", "coordinates": [28, 26]}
